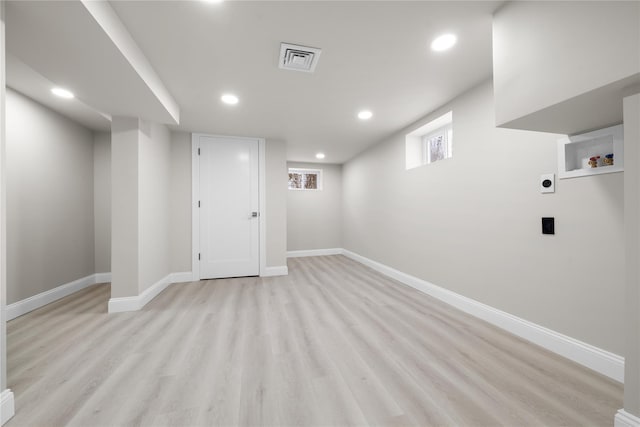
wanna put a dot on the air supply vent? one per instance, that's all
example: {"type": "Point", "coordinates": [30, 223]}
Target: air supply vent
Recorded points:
{"type": "Point", "coordinates": [298, 58]}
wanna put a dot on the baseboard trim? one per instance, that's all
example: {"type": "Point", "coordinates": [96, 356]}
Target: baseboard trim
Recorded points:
{"type": "Point", "coordinates": [7, 406]}
{"type": "Point", "coordinates": [40, 300]}
{"type": "Point", "coordinates": [185, 276]}
{"type": "Point", "coordinates": [103, 277]}
{"type": "Point", "coordinates": [625, 419]}
{"type": "Point", "coordinates": [599, 360]}
{"type": "Point", "coordinates": [135, 303]}
{"type": "Point", "coordinates": [315, 252]}
{"type": "Point", "coordinates": [282, 270]}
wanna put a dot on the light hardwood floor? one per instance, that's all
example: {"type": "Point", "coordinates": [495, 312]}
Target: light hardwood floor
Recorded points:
{"type": "Point", "coordinates": [333, 343]}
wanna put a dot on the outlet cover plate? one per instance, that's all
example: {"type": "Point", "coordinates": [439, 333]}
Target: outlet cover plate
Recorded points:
{"type": "Point", "coordinates": [548, 183]}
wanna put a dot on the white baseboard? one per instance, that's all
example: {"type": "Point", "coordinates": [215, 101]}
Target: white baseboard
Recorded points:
{"type": "Point", "coordinates": [29, 304]}
{"type": "Point", "coordinates": [625, 419]}
{"type": "Point", "coordinates": [604, 362]}
{"type": "Point", "coordinates": [183, 277]}
{"type": "Point", "coordinates": [275, 271]}
{"type": "Point", "coordinates": [103, 277]}
{"type": "Point", "coordinates": [314, 252]}
{"type": "Point", "coordinates": [135, 303]}
{"type": "Point", "coordinates": [7, 406]}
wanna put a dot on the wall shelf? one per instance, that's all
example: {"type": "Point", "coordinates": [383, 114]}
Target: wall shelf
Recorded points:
{"type": "Point", "coordinates": [575, 151]}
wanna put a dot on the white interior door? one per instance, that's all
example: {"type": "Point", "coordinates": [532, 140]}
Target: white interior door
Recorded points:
{"type": "Point", "coordinates": [229, 208]}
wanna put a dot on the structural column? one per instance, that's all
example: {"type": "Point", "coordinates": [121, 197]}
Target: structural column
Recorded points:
{"type": "Point", "coordinates": [630, 414]}
{"type": "Point", "coordinates": [125, 224]}
{"type": "Point", "coordinates": [140, 169]}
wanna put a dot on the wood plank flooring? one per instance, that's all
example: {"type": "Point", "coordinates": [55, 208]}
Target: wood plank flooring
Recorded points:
{"type": "Point", "coordinates": [334, 343]}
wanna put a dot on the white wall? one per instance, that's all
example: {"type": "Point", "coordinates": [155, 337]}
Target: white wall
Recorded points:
{"type": "Point", "coordinates": [180, 206]}
{"type": "Point", "coordinates": [140, 152]}
{"type": "Point", "coordinates": [471, 224]}
{"type": "Point", "coordinates": [276, 203]}
{"type": "Point", "coordinates": [632, 243]}
{"type": "Point", "coordinates": [50, 221]}
{"type": "Point", "coordinates": [154, 202]}
{"type": "Point", "coordinates": [125, 207]}
{"type": "Point", "coordinates": [314, 218]}
{"type": "Point", "coordinates": [3, 216]}
{"type": "Point", "coordinates": [179, 210]}
{"type": "Point", "coordinates": [178, 181]}
{"type": "Point", "coordinates": [545, 53]}
{"type": "Point", "coordinates": [102, 200]}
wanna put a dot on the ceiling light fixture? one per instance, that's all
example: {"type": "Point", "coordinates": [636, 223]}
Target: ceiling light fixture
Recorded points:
{"type": "Point", "coordinates": [365, 115]}
{"type": "Point", "coordinates": [443, 42]}
{"type": "Point", "coordinates": [62, 93]}
{"type": "Point", "coordinates": [320, 156]}
{"type": "Point", "coordinates": [213, 1]}
{"type": "Point", "coordinates": [229, 99]}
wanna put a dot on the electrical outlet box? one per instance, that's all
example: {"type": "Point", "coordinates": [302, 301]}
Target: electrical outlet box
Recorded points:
{"type": "Point", "coordinates": [548, 183]}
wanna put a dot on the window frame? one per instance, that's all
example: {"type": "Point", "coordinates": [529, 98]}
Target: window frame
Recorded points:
{"type": "Point", "coordinates": [317, 172]}
{"type": "Point", "coordinates": [446, 132]}
{"type": "Point", "coordinates": [417, 153]}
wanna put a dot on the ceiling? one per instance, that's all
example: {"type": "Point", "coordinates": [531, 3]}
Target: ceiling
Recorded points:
{"type": "Point", "coordinates": [375, 55]}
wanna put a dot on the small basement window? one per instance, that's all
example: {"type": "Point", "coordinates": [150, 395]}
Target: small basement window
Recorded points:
{"type": "Point", "coordinates": [431, 142]}
{"type": "Point", "coordinates": [305, 179]}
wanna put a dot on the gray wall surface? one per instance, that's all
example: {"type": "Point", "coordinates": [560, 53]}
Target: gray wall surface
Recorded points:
{"type": "Point", "coordinates": [179, 210]}
{"type": "Point", "coordinates": [632, 244]}
{"type": "Point", "coordinates": [3, 216]}
{"type": "Point", "coordinates": [471, 224]}
{"type": "Point", "coordinates": [50, 229]}
{"type": "Point", "coordinates": [180, 205]}
{"type": "Point", "coordinates": [102, 200]}
{"type": "Point", "coordinates": [276, 203]}
{"type": "Point", "coordinates": [154, 170]}
{"type": "Point", "coordinates": [125, 207]}
{"type": "Point", "coordinates": [140, 194]}
{"type": "Point", "coordinates": [314, 218]}
{"type": "Point", "coordinates": [544, 51]}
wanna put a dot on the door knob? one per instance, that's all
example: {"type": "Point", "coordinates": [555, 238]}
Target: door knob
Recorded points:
{"type": "Point", "coordinates": [254, 214]}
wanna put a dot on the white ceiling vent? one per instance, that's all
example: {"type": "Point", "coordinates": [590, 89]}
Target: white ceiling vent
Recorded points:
{"type": "Point", "coordinates": [298, 58]}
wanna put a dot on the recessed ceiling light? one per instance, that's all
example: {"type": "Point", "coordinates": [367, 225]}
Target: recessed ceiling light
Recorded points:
{"type": "Point", "coordinates": [320, 156]}
{"type": "Point", "coordinates": [213, 1]}
{"type": "Point", "coordinates": [62, 93]}
{"type": "Point", "coordinates": [443, 42]}
{"type": "Point", "coordinates": [365, 115]}
{"type": "Point", "coordinates": [229, 99]}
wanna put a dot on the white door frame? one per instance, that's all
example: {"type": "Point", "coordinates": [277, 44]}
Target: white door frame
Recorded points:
{"type": "Point", "coordinates": [195, 196]}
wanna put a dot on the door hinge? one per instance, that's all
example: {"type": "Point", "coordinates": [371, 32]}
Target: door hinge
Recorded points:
{"type": "Point", "coordinates": [198, 257]}
{"type": "Point", "coordinates": [198, 203]}
{"type": "Point", "coordinates": [198, 151]}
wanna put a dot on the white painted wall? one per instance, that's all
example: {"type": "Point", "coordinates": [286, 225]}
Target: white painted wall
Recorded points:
{"type": "Point", "coordinates": [50, 216]}
{"type": "Point", "coordinates": [632, 243]}
{"type": "Point", "coordinates": [314, 218]}
{"type": "Point", "coordinates": [179, 210]}
{"type": "Point", "coordinates": [3, 213]}
{"type": "Point", "coordinates": [140, 205]}
{"type": "Point", "coordinates": [178, 182]}
{"type": "Point", "coordinates": [276, 203]}
{"type": "Point", "coordinates": [125, 241]}
{"type": "Point", "coordinates": [180, 206]}
{"type": "Point", "coordinates": [545, 53]}
{"type": "Point", "coordinates": [102, 200]}
{"type": "Point", "coordinates": [471, 224]}
{"type": "Point", "coordinates": [155, 152]}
